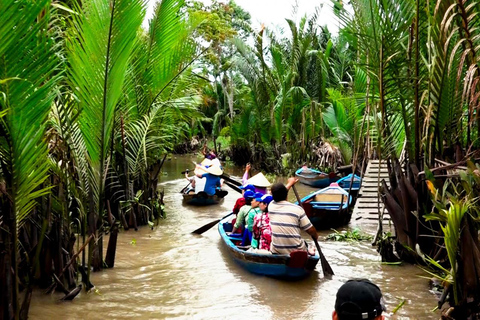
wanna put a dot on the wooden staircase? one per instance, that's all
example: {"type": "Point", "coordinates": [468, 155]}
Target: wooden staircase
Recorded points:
{"type": "Point", "coordinates": [369, 204]}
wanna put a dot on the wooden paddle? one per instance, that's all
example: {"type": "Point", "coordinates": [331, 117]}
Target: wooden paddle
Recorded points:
{"type": "Point", "coordinates": [326, 268]}
{"type": "Point", "coordinates": [227, 177]}
{"type": "Point", "coordinates": [234, 187]}
{"type": "Point", "coordinates": [209, 225]}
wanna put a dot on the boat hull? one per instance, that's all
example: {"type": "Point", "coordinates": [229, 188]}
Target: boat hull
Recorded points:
{"type": "Point", "coordinates": [328, 208]}
{"type": "Point", "coordinates": [203, 199]}
{"type": "Point", "coordinates": [272, 265]}
{"type": "Point", "coordinates": [351, 183]}
{"type": "Point", "coordinates": [324, 219]}
{"type": "Point", "coordinates": [315, 178]}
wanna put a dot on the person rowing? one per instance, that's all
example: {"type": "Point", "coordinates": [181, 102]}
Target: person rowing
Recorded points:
{"type": "Point", "coordinates": [286, 221]}
{"type": "Point", "coordinates": [212, 173]}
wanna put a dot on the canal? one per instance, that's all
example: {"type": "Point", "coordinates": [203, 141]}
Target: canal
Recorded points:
{"type": "Point", "coordinates": [168, 273]}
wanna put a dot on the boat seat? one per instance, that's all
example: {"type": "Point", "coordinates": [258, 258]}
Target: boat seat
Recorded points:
{"type": "Point", "coordinates": [298, 258]}
{"type": "Point", "coordinates": [245, 248]}
{"type": "Point", "coordinates": [235, 237]}
{"type": "Point", "coordinates": [327, 207]}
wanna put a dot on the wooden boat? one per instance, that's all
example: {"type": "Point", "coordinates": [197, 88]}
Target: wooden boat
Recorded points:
{"type": "Point", "coordinates": [295, 266]}
{"type": "Point", "coordinates": [351, 180]}
{"type": "Point", "coordinates": [315, 178]}
{"type": "Point", "coordinates": [328, 208]}
{"type": "Point", "coordinates": [202, 198]}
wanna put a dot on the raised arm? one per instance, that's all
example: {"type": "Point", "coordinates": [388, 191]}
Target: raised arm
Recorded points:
{"type": "Point", "coordinates": [246, 174]}
{"type": "Point", "coordinates": [290, 182]}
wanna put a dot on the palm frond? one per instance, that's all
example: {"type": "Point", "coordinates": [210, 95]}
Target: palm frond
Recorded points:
{"type": "Point", "coordinates": [28, 57]}
{"type": "Point", "coordinates": [103, 36]}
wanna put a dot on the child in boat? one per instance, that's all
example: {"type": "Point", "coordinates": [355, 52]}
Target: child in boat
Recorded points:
{"type": "Point", "coordinates": [254, 210]}
{"type": "Point", "coordinates": [243, 212]}
{"type": "Point", "coordinates": [262, 232]}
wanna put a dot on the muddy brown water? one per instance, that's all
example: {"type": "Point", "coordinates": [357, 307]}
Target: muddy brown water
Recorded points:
{"type": "Point", "coordinates": [168, 273]}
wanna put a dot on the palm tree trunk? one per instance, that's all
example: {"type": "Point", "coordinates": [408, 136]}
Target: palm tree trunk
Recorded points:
{"type": "Point", "coordinates": [416, 85]}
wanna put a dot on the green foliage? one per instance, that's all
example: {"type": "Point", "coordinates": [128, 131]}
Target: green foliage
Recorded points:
{"type": "Point", "coordinates": [102, 39]}
{"type": "Point", "coordinates": [354, 235]}
{"type": "Point", "coordinates": [30, 70]}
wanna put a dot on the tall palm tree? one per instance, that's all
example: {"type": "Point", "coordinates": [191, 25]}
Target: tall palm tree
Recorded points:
{"type": "Point", "coordinates": [99, 48]}
{"type": "Point", "coordinates": [28, 74]}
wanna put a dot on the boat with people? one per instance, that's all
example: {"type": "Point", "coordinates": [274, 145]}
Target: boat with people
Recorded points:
{"type": "Point", "coordinates": [297, 265]}
{"type": "Point", "coordinates": [204, 187]}
{"type": "Point", "coordinates": [329, 207]}
{"type": "Point", "coordinates": [315, 178]}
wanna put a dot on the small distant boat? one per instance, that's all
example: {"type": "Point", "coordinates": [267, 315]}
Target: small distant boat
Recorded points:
{"type": "Point", "coordinates": [328, 208]}
{"type": "Point", "coordinates": [315, 178]}
{"type": "Point", "coordinates": [202, 198]}
{"type": "Point", "coordinates": [351, 180]}
{"type": "Point", "coordinates": [295, 266]}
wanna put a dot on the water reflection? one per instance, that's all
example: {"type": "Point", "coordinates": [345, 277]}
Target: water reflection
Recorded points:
{"type": "Point", "coordinates": [168, 273]}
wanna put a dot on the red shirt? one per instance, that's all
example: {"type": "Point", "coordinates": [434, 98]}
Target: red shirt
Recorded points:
{"type": "Point", "coordinates": [238, 204]}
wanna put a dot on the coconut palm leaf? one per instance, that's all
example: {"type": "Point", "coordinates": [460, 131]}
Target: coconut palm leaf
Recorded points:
{"type": "Point", "coordinates": [163, 56]}
{"type": "Point", "coordinates": [28, 58]}
{"type": "Point", "coordinates": [156, 131]}
{"type": "Point", "coordinates": [103, 36]}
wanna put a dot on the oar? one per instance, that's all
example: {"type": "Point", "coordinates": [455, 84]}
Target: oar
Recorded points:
{"type": "Point", "coordinates": [227, 177]}
{"type": "Point", "coordinates": [326, 268]}
{"type": "Point", "coordinates": [189, 183]}
{"type": "Point", "coordinates": [234, 187]}
{"type": "Point", "coordinates": [209, 225]}
{"type": "Point", "coordinates": [185, 188]}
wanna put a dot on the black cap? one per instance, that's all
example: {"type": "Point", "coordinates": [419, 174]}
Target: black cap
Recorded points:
{"type": "Point", "coordinates": [359, 299]}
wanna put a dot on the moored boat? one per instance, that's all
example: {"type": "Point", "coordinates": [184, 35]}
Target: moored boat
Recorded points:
{"type": "Point", "coordinates": [351, 180]}
{"type": "Point", "coordinates": [315, 178]}
{"type": "Point", "coordinates": [202, 198]}
{"type": "Point", "coordinates": [295, 266]}
{"type": "Point", "coordinates": [328, 208]}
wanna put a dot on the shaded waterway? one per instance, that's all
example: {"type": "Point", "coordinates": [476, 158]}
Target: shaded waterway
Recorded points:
{"type": "Point", "coordinates": [168, 273]}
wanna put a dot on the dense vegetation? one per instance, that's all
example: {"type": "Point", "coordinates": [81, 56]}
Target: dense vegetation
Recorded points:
{"type": "Point", "coordinates": [90, 105]}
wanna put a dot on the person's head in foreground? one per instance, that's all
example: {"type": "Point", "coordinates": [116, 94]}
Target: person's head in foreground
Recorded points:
{"type": "Point", "coordinates": [359, 299]}
{"type": "Point", "coordinates": [279, 192]}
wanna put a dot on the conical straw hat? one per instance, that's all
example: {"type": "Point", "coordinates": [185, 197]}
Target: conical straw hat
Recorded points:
{"type": "Point", "coordinates": [259, 180]}
{"type": "Point", "coordinates": [215, 170]}
{"type": "Point", "coordinates": [208, 166]}
{"type": "Point", "coordinates": [206, 162]}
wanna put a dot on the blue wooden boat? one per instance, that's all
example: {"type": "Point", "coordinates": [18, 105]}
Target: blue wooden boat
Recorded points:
{"type": "Point", "coordinates": [315, 178]}
{"type": "Point", "coordinates": [295, 266]}
{"type": "Point", "coordinates": [329, 207]}
{"type": "Point", "coordinates": [202, 198]}
{"type": "Point", "coordinates": [351, 180]}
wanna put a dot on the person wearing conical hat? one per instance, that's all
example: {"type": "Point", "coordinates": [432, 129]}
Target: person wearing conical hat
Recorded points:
{"type": "Point", "coordinates": [259, 181]}
{"type": "Point", "coordinates": [212, 173]}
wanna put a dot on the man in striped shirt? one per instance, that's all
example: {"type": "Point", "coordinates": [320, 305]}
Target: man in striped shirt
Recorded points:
{"type": "Point", "coordinates": [286, 221]}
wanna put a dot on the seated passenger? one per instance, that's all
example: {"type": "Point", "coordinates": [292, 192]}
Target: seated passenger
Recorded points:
{"type": "Point", "coordinates": [260, 182]}
{"type": "Point", "coordinates": [243, 212]}
{"type": "Point", "coordinates": [212, 174]}
{"type": "Point", "coordinates": [286, 220]}
{"type": "Point", "coordinates": [196, 184]}
{"type": "Point", "coordinates": [191, 187]}
{"type": "Point", "coordinates": [241, 201]}
{"type": "Point", "coordinates": [262, 232]}
{"type": "Point", "coordinates": [248, 235]}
